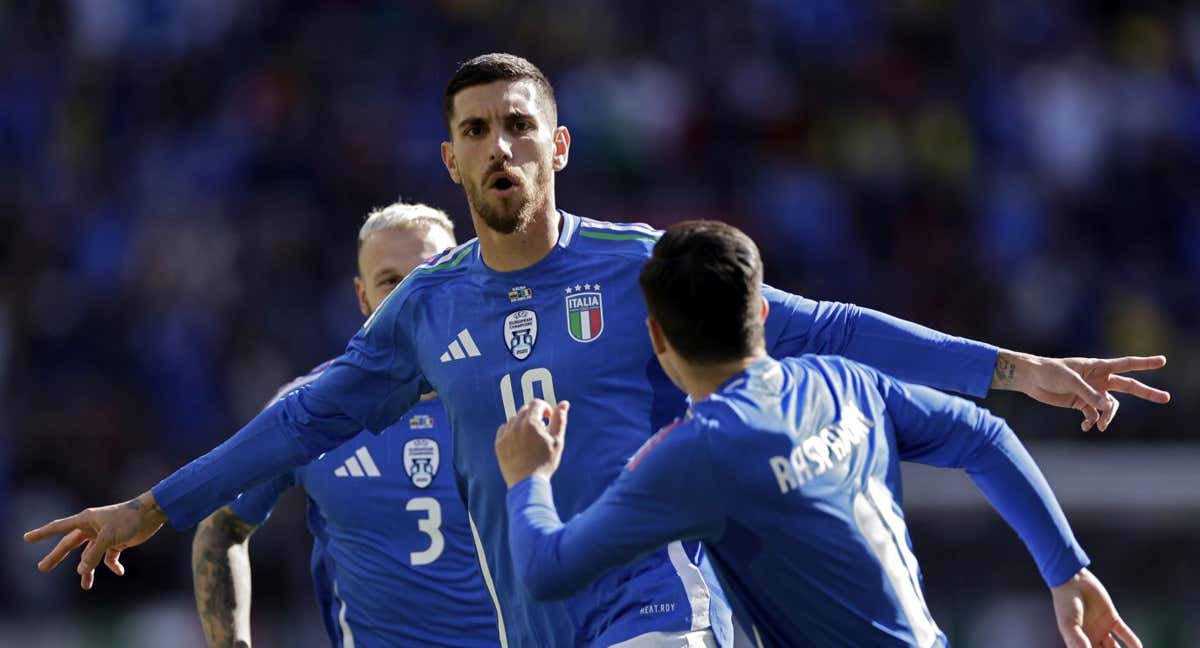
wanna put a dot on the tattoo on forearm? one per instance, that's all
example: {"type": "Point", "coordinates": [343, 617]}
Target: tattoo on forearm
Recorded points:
{"type": "Point", "coordinates": [1004, 373]}
{"type": "Point", "coordinates": [212, 572]}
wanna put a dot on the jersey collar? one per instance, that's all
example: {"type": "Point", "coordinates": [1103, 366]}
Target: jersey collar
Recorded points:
{"type": "Point", "coordinates": [568, 232]}
{"type": "Point", "coordinates": [569, 229]}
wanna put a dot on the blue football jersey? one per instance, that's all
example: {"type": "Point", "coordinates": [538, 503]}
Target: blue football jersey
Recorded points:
{"type": "Point", "coordinates": [571, 326]}
{"type": "Point", "coordinates": [790, 475]}
{"type": "Point", "coordinates": [393, 561]}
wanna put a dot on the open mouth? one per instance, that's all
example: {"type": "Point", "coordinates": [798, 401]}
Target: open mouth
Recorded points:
{"type": "Point", "coordinates": [503, 182]}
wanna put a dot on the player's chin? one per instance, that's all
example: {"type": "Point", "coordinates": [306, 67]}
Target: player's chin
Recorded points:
{"type": "Point", "coordinates": [505, 221]}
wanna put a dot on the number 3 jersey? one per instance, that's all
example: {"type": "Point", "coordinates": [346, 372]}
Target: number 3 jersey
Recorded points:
{"type": "Point", "coordinates": [570, 327]}
{"type": "Point", "coordinates": [393, 561]}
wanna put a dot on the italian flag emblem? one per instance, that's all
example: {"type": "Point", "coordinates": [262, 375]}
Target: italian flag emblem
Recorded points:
{"type": "Point", "coordinates": [585, 312]}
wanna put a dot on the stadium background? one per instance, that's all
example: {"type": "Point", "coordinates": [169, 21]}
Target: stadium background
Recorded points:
{"type": "Point", "coordinates": [180, 185]}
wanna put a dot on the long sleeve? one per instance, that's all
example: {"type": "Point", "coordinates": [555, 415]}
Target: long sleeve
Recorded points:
{"type": "Point", "coordinates": [940, 430]}
{"type": "Point", "coordinates": [369, 386]}
{"type": "Point", "coordinates": [911, 352]}
{"type": "Point", "coordinates": [665, 494]}
{"type": "Point", "coordinates": [283, 437]}
{"type": "Point", "coordinates": [255, 505]}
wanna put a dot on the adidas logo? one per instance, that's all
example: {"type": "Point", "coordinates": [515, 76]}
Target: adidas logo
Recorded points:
{"type": "Point", "coordinates": [466, 349]}
{"type": "Point", "coordinates": [359, 465]}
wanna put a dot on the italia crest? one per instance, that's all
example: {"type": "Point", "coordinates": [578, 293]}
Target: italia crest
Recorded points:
{"type": "Point", "coordinates": [520, 333]}
{"type": "Point", "coordinates": [421, 459]}
{"type": "Point", "coordinates": [585, 312]}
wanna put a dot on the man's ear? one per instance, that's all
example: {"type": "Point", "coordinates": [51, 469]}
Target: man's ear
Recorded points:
{"type": "Point", "coordinates": [657, 339]}
{"type": "Point", "coordinates": [451, 162]}
{"type": "Point", "coordinates": [562, 147]}
{"type": "Point", "coordinates": [360, 290]}
{"type": "Point", "coordinates": [766, 309]}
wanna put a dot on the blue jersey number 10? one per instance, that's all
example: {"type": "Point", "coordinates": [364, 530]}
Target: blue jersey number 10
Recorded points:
{"type": "Point", "coordinates": [539, 376]}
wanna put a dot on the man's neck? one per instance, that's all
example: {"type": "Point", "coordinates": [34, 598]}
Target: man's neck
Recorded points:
{"type": "Point", "coordinates": [701, 381]}
{"type": "Point", "coordinates": [519, 250]}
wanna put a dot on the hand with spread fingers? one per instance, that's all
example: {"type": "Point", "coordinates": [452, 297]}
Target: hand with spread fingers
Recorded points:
{"type": "Point", "coordinates": [106, 532]}
{"type": "Point", "coordinates": [1087, 617]}
{"type": "Point", "coordinates": [526, 446]}
{"type": "Point", "coordinates": [1085, 384]}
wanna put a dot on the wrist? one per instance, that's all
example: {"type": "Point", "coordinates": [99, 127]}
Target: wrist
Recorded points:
{"type": "Point", "coordinates": [512, 479]}
{"type": "Point", "coordinates": [1073, 581]}
{"type": "Point", "coordinates": [149, 508]}
{"type": "Point", "coordinates": [1012, 370]}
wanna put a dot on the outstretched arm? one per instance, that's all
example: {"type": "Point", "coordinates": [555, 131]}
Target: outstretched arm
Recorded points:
{"type": "Point", "coordinates": [917, 354]}
{"type": "Point", "coordinates": [369, 386]}
{"type": "Point", "coordinates": [221, 578]}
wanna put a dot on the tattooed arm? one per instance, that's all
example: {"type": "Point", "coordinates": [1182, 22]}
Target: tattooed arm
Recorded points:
{"type": "Point", "coordinates": [221, 577]}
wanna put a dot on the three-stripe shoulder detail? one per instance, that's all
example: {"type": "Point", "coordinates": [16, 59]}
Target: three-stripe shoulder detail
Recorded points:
{"type": "Point", "coordinates": [605, 231]}
{"type": "Point", "coordinates": [452, 258]}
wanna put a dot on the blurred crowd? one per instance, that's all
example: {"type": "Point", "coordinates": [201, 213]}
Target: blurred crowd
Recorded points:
{"type": "Point", "coordinates": [181, 182]}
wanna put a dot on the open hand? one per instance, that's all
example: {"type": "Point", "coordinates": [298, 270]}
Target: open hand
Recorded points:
{"type": "Point", "coordinates": [107, 531]}
{"type": "Point", "coordinates": [1086, 615]}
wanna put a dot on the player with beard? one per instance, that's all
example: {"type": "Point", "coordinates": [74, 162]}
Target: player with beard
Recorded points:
{"type": "Point", "coordinates": [543, 304]}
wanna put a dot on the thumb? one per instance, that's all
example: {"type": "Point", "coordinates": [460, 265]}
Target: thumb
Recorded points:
{"type": "Point", "coordinates": [558, 420]}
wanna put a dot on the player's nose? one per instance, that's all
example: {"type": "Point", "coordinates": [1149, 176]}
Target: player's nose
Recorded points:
{"type": "Point", "coordinates": [501, 147]}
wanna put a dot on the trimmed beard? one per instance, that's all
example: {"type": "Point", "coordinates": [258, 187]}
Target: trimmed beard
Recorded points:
{"type": "Point", "coordinates": [514, 219]}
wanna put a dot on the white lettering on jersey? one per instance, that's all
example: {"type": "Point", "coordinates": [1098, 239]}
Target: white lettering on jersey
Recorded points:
{"type": "Point", "coordinates": [821, 452]}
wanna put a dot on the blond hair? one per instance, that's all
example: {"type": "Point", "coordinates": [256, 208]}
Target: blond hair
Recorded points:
{"type": "Point", "coordinates": [402, 215]}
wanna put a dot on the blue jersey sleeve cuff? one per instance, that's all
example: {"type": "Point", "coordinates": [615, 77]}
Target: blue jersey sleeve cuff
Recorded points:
{"type": "Point", "coordinates": [1065, 565]}
{"type": "Point", "coordinates": [980, 366]}
{"type": "Point", "coordinates": [531, 489]}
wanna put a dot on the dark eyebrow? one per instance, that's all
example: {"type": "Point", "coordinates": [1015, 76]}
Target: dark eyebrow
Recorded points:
{"type": "Point", "coordinates": [470, 121]}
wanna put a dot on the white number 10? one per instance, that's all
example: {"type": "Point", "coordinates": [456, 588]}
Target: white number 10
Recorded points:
{"type": "Point", "coordinates": [530, 378]}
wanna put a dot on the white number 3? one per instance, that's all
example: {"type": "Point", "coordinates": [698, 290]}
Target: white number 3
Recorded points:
{"type": "Point", "coordinates": [431, 526]}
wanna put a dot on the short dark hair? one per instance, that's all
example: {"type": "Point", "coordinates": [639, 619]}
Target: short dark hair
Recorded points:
{"type": "Point", "coordinates": [703, 285]}
{"type": "Point", "coordinates": [487, 68]}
